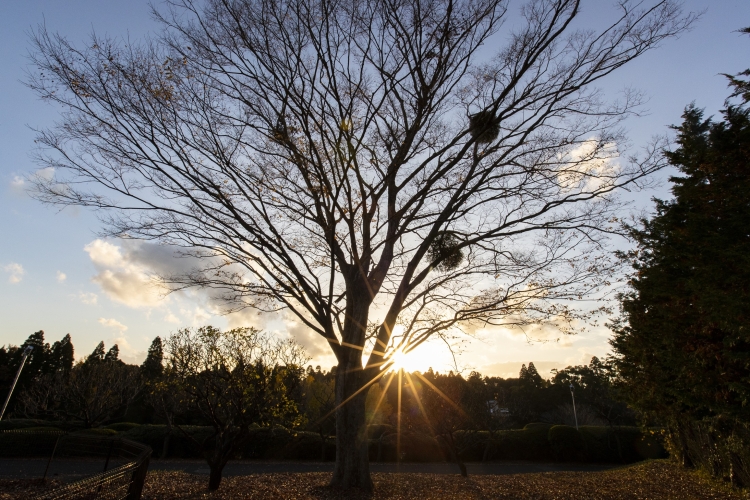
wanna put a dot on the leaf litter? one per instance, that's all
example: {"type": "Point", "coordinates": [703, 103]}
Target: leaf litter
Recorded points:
{"type": "Point", "coordinates": [650, 480]}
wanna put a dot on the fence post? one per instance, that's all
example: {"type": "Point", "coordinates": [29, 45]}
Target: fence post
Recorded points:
{"type": "Point", "coordinates": [138, 479]}
{"type": "Point", "coordinates": [109, 454]}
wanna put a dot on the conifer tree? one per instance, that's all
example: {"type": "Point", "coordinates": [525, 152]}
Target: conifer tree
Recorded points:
{"type": "Point", "coordinates": [62, 355]}
{"type": "Point", "coordinates": [152, 366]}
{"type": "Point", "coordinates": [113, 355]}
{"type": "Point", "coordinates": [97, 355]}
{"type": "Point", "coordinates": [684, 348]}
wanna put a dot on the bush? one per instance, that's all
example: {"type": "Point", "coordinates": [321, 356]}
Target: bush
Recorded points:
{"type": "Point", "coordinates": [651, 445]}
{"type": "Point", "coordinates": [27, 444]}
{"type": "Point", "coordinates": [42, 429]}
{"type": "Point", "coordinates": [24, 423]}
{"type": "Point", "coordinates": [415, 447]}
{"type": "Point", "coordinates": [121, 426]}
{"type": "Point", "coordinates": [99, 431]}
{"type": "Point", "coordinates": [567, 443]}
{"type": "Point", "coordinates": [529, 443]}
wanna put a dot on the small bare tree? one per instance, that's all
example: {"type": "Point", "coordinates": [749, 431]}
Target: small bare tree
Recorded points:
{"type": "Point", "coordinates": [91, 393]}
{"type": "Point", "coordinates": [365, 164]}
{"type": "Point", "coordinates": [232, 379]}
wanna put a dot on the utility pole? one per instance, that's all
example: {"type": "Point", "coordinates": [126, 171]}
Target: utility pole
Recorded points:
{"type": "Point", "coordinates": [26, 353]}
{"type": "Point", "coordinates": [572, 395]}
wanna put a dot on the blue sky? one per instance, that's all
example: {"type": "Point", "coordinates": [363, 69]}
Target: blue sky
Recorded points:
{"type": "Point", "coordinates": [57, 275]}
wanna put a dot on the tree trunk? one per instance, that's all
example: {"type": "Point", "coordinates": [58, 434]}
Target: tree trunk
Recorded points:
{"type": "Point", "coordinates": [487, 447]}
{"type": "Point", "coordinates": [214, 479]}
{"type": "Point", "coordinates": [322, 447]}
{"type": "Point", "coordinates": [454, 455]}
{"type": "Point", "coordinates": [167, 438]}
{"type": "Point", "coordinates": [165, 445]}
{"type": "Point", "coordinates": [352, 469]}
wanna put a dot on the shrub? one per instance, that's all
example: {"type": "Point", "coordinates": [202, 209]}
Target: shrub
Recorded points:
{"type": "Point", "coordinates": [24, 423]}
{"type": "Point", "coordinates": [121, 426]}
{"type": "Point", "coordinates": [567, 443]}
{"type": "Point", "coordinates": [27, 444]}
{"type": "Point", "coordinates": [415, 447]}
{"type": "Point", "coordinates": [99, 431]}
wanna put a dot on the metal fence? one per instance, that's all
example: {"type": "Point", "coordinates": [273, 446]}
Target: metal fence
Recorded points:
{"type": "Point", "coordinates": [114, 468]}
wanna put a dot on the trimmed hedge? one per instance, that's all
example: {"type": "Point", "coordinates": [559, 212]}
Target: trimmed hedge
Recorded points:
{"type": "Point", "coordinates": [122, 426]}
{"type": "Point", "coordinates": [535, 442]}
{"type": "Point", "coordinates": [28, 444]}
{"type": "Point", "coordinates": [98, 432]}
{"type": "Point", "coordinates": [542, 442]}
{"type": "Point", "coordinates": [415, 447]}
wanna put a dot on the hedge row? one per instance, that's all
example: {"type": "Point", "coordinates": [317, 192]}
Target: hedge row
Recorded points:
{"type": "Point", "coordinates": [535, 442]}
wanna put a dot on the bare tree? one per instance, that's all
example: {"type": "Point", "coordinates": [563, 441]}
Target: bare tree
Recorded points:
{"type": "Point", "coordinates": [364, 164]}
{"type": "Point", "coordinates": [91, 393]}
{"type": "Point", "coordinates": [232, 379]}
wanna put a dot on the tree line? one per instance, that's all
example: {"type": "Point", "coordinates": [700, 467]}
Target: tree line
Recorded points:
{"type": "Point", "coordinates": [236, 380]}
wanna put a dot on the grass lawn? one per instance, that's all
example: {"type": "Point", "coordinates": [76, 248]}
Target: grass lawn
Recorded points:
{"type": "Point", "coordinates": [649, 480]}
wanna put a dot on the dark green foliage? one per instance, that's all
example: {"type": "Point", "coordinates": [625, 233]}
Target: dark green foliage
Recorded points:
{"type": "Point", "coordinates": [62, 355]}
{"type": "Point", "coordinates": [683, 342]}
{"type": "Point", "coordinates": [97, 355]}
{"type": "Point", "coordinates": [596, 389]}
{"type": "Point", "coordinates": [23, 423]}
{"type": "Point", "coordinates": [113, 355]}
{"type": "Point", "coordinates": [99, 431]}
{"type": "Point", "coordinates": [122, 426]}
{"type": "Point", "coordinates": [684, 348]}
{"type": "Point", "coordinates": [530, 377]}
{"type": "Point", "coordinates": [415, 447]}
{"type": "Point", "coordinates": [152, 366]}
{"type": "Point", "coordinates": [28, 444]}
{"type": "Point", "coordinates": [182, 440]}
{"type": "Point", "coordinates": [444, 250]}
{"type": "Point", "coordinates": [43, 360]}
{"type": "Point", "coordinates": [741, 87]}
{"type": "Point", "coordinates": [567, 443]}
{"type": "Point", "coordinates": [232, 380]}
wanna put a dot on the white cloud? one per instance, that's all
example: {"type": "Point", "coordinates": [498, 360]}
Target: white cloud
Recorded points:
{"type": "Point", "coordinates": [46, 174]}
{"type": "Point", "coordinates": [511, 369]}
{"type": "Point", "coordinates": [171, 318]}
{"type": "Point", "coordinates": [113, 323]}
{"type": "Point", "coordinates": [315, 345]}
{"type": "Point", "coordinates": [123, 277]}
{"type": "Point", "coordinates": [590, 166]}
{"type": "Point", "coordinates": [88, 298]}
{"type": "Point", "coordinates": [197, 316]}
{"type": "Point", "coordinates": [15, 272]}
{"type": "Point", "coordinates": [61, 277]}
{"type": "Point", "coordinates": [17, 182]}
{"type": "Point", "coordinates": [128, 353]}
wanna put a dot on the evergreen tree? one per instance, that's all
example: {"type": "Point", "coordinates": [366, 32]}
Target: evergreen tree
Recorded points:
{"type": "Point", "coordinates": [62, 355]}
{"type": "Point", "coordinates": [684, 348]}
{"type": "Point", "coordinates": [530, 376]}
{"type": "Point", "coordinates": [741, 87]}
{"type": "Point", "coordinates": [97, 355]}
{"type": "Point", "coordinates": [683, 341]}
{"type": "Point", "coordinates": [113, 355]}
{"type": "Point", "coordinates": [152, 366]}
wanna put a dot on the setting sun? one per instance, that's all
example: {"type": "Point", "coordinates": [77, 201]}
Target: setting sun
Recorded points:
{"type": "Point", "coordinates": [420, 359]}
